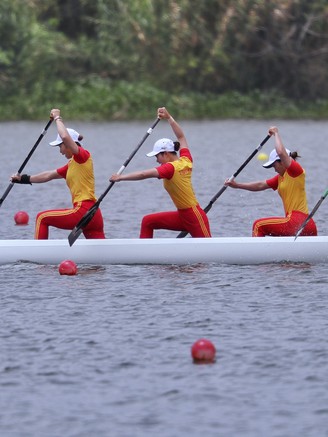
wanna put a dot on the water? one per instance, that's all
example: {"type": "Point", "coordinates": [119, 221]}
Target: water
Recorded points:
{"type": "Point", "coordinates": [107, 352]}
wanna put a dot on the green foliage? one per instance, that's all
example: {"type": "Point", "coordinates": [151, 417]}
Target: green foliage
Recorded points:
{"type": "Point", "coordinates": [103, 99]}
{"type": "Point", "coordinates": [216, 58]}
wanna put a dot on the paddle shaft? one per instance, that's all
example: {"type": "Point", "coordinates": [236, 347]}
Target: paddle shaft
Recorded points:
{"type": "Point", "coordinates": [76, 232]}
{"type": "Point", "coordinates": [314, 210]}
{"type": "Point", "coordinates": [222, 190]}
{"type": "Point", "coordinates": [5, 194]}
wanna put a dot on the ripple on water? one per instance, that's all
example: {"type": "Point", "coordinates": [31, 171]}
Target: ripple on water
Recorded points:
{"type": "Point", "coordinates": [108, 350]}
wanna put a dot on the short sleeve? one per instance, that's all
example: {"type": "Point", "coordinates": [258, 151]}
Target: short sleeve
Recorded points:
{"type": "Point", "coordinates": [165, 171]}
{"type": "Point", "coordinates": [273, 182]}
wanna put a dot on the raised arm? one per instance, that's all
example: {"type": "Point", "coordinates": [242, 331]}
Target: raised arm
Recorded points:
{"type": "Point", "coordinates": [62, 131]}
{"type": "Point", "coordinates": [280, 148]}
{"type": "Point", "coordinates": [178, 132]}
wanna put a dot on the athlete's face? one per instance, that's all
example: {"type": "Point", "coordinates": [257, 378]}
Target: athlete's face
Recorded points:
{"type": "Point", "coordinates": [65, 151]}
{"type": "Point", "coordinates": [279, 168]}
{"type": "Point", "coordinates": [160, 158]}
{"type": "Point", "coordinates": [164, 157]}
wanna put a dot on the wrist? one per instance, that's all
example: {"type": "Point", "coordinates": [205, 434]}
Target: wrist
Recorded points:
{"type": "Point", "coordinates": [170, 119]}
{"type": "Point", "coordinates": [58, 117]}
{"type": "Point", "coordinates": [25, 179]}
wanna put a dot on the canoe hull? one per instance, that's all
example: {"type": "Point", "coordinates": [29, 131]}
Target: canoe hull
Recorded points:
{"type": "Point", "coordinates": [235, 250]}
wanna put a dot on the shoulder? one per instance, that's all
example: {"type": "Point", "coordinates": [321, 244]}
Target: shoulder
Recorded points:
{"type": "Point", "coordinates": [82, 156]}
{"type": "Point", "coordinates": [295, 169]}
{"type": "Point", "coordinates": [166, 171]}
{"type": "Point", "coordinates": [273, 182]}
{"type": "Point", "coordinates": [185, 152]}
{"type": "Point", "coordinates": [62, 171]}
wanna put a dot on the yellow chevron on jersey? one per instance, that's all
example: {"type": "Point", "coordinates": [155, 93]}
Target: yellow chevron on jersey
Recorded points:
{"type": "Point", "coordinates": [80, 177]}
{"type": "Point", "coordinates": [291, 188]}
{"type": "Point", "coordinates": [179, 186]}
{"type": "Point", "coordinates": [292, 193]}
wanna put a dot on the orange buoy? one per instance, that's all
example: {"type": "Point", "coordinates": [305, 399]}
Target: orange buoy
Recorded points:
{"type": "Point", "coordinates": [203, 351]}
{"type": "Point", "coordinates": [67, 267]}
{"type": "Point", "coordinates": [21, 218]}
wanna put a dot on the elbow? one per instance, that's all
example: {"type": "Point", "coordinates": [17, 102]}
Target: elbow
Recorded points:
{"type": "Point", "coordinates": [182, 139]}
{"type": "Point", "coordinates": [143, 175]}
{"type": "Point", "coordinates": [65, 136]}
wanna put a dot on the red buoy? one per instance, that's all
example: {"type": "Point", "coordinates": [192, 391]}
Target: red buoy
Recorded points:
{"type": "Point", "coordinates": [67, 267]}
{"type": "Point", "coordinates": [21, 218]}
{"type": "Point", "coordinates": [203, 351]}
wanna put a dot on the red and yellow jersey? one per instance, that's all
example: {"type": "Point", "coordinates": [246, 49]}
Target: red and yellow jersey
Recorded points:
{"type": "Point", "coordinates": [177, 180]}
{"type": "Point", "coordinates": [79, 176]}
{"type": "Point", "coordinates": [291, 188]}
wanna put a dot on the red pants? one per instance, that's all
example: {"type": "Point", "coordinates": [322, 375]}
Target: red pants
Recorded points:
{"type": "Point", "coordinates": [193, 220]}
{"type": "Point", "coordinates": [68, 219]}
{"type": "Point", "coordinates": [284, 226]}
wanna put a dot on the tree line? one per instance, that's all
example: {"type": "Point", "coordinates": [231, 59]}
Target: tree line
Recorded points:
{"type": "Point", "coordinates": [55, 49]}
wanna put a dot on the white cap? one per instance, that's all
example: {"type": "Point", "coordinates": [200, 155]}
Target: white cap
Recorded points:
{"type": "Point", "coordinates": [73, 134]}
{"type": "Point", "coordinates": [273, 158]}
{"type": "Point", "coordinates": [162, 145]}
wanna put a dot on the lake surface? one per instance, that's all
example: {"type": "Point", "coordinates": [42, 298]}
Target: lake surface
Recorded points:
{"type": "Point", "coordinates": [107, 352]}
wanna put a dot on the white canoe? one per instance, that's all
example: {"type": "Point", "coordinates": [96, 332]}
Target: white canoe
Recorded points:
{"type": "Point", "coordinates": [235, 250]}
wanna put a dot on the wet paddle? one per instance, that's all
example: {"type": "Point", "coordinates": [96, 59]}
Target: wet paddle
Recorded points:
{"type": "Point", "coordinates": [5, 194]}
{"type": "Point", "coordinates": [76, 232]}
{"type": "Point", "coordinates": [314, 210]}
{"type": "Point", "coordinates": [222, 190]}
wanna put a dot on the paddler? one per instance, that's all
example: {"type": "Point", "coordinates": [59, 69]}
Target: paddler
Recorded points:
{"type": "Point", "coordinates": [176, 172]}
{"type": "Point", "coordinates": [79, 176]}
{"type": "Point", "coordinates": [290, 184]}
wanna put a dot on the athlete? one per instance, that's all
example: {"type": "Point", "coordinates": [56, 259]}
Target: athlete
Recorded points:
{"type": "Point", "coordinates": [176, 173]}
{"type": "Point", "coordinates": [290, 183]}
{"type": "Point", "coordinates": [79, 176]}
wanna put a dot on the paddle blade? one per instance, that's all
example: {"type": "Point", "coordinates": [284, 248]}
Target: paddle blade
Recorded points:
{"type": "Point", "coordinates": [74, 235]}
{"type": "Point", "coordinates": [85, 220]}
{"type": "Point", "coordinates": [298, 232]}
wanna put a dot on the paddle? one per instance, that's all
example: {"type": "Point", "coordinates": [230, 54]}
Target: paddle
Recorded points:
{"type": "Point", "coordinates": [314, 210]}
{"type": "Point", "coordinates": [218, 194]}
{"type": "Point", "coordinates": [5, 194]}
{"type": "Point", "coordinates": [76, 232]}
